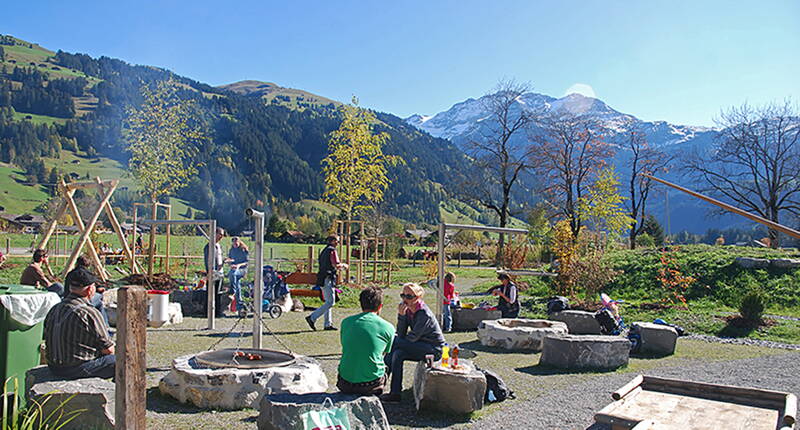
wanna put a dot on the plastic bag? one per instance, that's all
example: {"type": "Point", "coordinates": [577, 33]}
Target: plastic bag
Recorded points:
{"type": "Point", "coordinates": [326, 418]}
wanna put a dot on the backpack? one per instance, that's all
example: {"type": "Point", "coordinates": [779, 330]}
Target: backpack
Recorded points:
{"type": "Point", "coordinates": [608, 324]}
{"type": "Point", "coordinates": [496, 389]}
{"type": "Point", "coordinates": [557, 304]}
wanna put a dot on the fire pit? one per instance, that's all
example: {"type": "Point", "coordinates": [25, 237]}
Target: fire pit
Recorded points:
{"type": "Point", "coordinates": [238, 378]}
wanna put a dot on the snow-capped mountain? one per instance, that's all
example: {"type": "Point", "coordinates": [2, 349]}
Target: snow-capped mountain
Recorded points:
{"type": "Point", "coordinates": [463, 121]}
{"type": "Point", "coordinates": [466, 121]}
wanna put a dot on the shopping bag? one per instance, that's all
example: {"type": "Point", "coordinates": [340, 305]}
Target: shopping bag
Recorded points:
{"type": "Point", "coordinates": [326, 418]}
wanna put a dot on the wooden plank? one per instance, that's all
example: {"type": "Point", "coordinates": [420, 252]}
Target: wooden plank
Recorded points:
{"type": "Point", "coordinates": [152, 244]}
{"type": "Point", "coordinates": [627, 388]}
{"type": "Point", "coordinates": [713, 390]}
{"type": "Point", "coordinates": [130, 396]}
{"type": "Point", "coordinates": [72, 186]}
{"type": "Point", "coordinates": [790, 410]}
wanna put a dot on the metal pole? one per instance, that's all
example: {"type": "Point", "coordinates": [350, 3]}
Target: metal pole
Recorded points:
{"type": "Point", "coordinates": [440, 277]}
{"type": "Point", "coordinates": [259, 276]}
{"type": "Point", "coordinates": [212, 257]}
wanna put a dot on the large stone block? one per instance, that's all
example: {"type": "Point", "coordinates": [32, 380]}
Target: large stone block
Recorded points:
{"type": "Point", "coordinates": [232, 388]}
{"type": "Point", "coordinates": [94, 396]}
{"type": "Point", "coordinates": [752, 263]}
{"type": "Point", "coordinates": [785, 263]}
{"type": "Point", "coordinates": [518, 333]}
{"type": "Point", "coordinates": [585, 352]}
{"type": "Point", "coordinates": [468, 319]}
{"type": "Point", "coordinates": [284, 411]}
{"type": "Point", "coordinates": [657, 339]}
{"type": "Point", "coordinates": [459, 392]}
{"type": "Point", "coordinates": [578, 322]}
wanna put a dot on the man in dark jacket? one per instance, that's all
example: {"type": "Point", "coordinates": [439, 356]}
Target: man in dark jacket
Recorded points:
{"type": "Point", "coordinates": [326, 278]}
{"type": "Point", "coordinates": [418, 334]}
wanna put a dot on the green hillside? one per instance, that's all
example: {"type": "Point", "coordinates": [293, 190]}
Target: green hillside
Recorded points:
{"type": "Point", "coordinates": [275, 94]}
{"type": "Point", "coordinates": [16, 196]}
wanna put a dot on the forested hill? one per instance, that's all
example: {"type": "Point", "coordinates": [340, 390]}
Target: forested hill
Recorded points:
{"type": "Point", "coordinates": [260, 152]}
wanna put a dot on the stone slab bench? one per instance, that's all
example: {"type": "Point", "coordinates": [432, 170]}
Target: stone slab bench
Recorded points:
{"type": "Point", "coordinates": [578, 322]}
{"type": "Point", "coordinates": [657, 339]}
{"type": "Point", "coordinates": [284, 411]}
{"type": "Point", "coordinates": [94, 395]}
{"type": "Point", "coordinates": [468, 319]}
{"type": "Point", "coordinates": [458, 392]}
{"type": "Point", "coordinates": [587, 352]}
{"type": "Point", "coordinates": [518, 333]}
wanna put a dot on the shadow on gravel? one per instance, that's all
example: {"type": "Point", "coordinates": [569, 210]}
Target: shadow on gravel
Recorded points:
{"type": "Point", "coordinates": [157, 402]}
{"type": "Point", "coordinates": [542, 370]}
{"type": "Point", "coordinates": [406, 414]}
{"type": "Point", "coordinates": [236, 334]}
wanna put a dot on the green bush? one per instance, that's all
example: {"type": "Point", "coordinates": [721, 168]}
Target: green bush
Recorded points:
{"type": "Point", "coordinates": [644, 240]}
{"type": "Point", "coordinates": [752, 306]}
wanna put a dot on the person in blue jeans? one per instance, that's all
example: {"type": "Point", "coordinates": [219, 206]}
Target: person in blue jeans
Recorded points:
{"type": "Point", "coordinates": [326, 278]}
{"type": "Point", "coordinates": [237, 258]}
{"type": "Point", "coordinates": [418, 334]}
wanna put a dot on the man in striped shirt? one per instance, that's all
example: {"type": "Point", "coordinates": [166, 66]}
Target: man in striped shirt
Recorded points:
{"type": "Point", "coordinates": [76, 335]}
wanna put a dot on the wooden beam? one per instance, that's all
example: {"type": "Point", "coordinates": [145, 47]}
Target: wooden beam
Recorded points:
{"type": "Point", "coordinates": [130, 380]}
{"type": "Point", "coordinates": [72, 186]}
{"type": "Point", "coordinates": [51, 227]}
{"type": "Point", "coordinates": [85, 232]}
{"type": "Point", "coordinates": [771, 224]}
{"type": "Point", "coordinates": [117, 229]}
{"type": "Point", "coordinates": [152, 244]}
{"type": "Point", "coordinates": [169, 227]}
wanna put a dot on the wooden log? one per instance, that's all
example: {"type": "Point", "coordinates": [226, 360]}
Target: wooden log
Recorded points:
{"type": "Point", "coordinates": [131, 383]}
{"type": "Point", "coordinates": [790, 410]}
{"type": "Point", "coordinates": [118, 229]}
{"type": "Point", "coordinates": [85, 230]}
{"type": "Point", "coordinates": [310, 267]}
{"type": "Point", "coordinates": [627, 388]}
{"type": "Point", "coordinates": [51, 226]}
{"type": "Point", "coordinates": [72, 186]}
{"type": "Point", "coordinates": [169, 227]}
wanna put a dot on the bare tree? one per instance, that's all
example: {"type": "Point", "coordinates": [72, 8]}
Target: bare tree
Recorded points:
{"type": "Point", "coordinates": [567, 150]}
{"type": "Point", "coordinates": [755, 161]}
{"type": "Point", "coordinates": [644, 159]}
{"type": "Point", "coordinates": [502, 154]}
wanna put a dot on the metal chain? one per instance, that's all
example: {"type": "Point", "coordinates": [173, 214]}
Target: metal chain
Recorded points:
{"type": "Point", "coordinates": [226, 334]}
{"type": "Point", "coordinates": [277, 339]}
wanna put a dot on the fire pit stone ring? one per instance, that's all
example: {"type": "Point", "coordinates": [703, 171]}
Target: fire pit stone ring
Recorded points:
{"type": "Point", "coordinates": [518, 333]}
{"type": "Point", "coordinates": [212, 383]}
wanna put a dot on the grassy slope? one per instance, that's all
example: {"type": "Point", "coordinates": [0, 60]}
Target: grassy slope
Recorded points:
{"type": "Point", "coordinates": [16, 197]}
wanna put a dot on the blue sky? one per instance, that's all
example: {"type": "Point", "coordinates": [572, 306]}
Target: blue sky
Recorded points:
{"type": "Point", "coordinates": [680, 61]}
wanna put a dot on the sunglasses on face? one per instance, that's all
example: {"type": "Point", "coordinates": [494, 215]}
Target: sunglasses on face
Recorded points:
{"type": "Point", "coordinates": [407, 296]}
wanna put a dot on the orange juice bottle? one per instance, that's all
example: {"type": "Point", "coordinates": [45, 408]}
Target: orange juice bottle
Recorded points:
{"type": "Point", "coordinates": [445, 355]}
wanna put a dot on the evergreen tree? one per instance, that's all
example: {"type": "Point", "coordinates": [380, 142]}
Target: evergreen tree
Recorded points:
{"type": "Point", "coordinates": [654, 230]}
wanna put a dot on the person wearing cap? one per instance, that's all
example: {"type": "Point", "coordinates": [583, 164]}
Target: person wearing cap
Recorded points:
{"type": "Point", "coordinates": [508, 303]}
{"type": "Point", "coordinates": [77, 344]}
{"type": "Point", "coordinates": [34, 275]}
{"type": "Point", "coordinates": [97, 299]}
{"type": "Point", "coordinates": [237, 258]}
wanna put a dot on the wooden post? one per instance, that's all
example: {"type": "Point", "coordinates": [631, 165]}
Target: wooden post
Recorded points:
{"type": "Point", "coordinates": [130, 394]}
{"type": "Point", "coordinates": [8, 246]}
{"type": "Point", "coordinates": [270, 253]}
{"type": "Point", "coordinates": [459, 258]}
{"type": "Point", "coordinates": [310, 259]}
{"type": "Point", "coordinates": [375, 263]}
{"type": "Point", "coordinates": [440, 273]}
{"type": "Point", "coordinates": [349, 230]}
{"type": "Point", "coordinates": [169, 217]}
{"type": "Point", "coordinates": [117, 228]}
{"type": "Point", "coordinates": [152, 251]}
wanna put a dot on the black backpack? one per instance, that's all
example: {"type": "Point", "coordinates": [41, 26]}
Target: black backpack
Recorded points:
{"type": "Point", "coordinates": [557, 304]}
{"type": "Point", "coordinates": [608, 324]}
{"type": "Point", "coordinates": [496, 389]}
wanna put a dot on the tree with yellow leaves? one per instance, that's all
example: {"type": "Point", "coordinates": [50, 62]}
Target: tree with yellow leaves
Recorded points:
{"type": "Point", "coordinates": [356, 167]}
{"type": "Point", "coordinates": [603, 206]}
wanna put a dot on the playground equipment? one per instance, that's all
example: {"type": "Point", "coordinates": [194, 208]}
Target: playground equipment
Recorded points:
{"type": "Point", "coordinates": [67, 191]}
{"type": "Point", "coordinates": [152, 244]}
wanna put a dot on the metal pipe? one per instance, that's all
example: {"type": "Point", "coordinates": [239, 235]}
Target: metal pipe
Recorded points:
{"type": "Point", "coordinates": [212, 257]}
{"type": "Point", "coordinates": [259, 276]}
{"type": "Point", "coordinates": [484, 228]}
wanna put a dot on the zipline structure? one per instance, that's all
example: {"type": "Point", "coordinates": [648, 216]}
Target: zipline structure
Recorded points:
{"type": "Point", "coordinates": [771, 224]}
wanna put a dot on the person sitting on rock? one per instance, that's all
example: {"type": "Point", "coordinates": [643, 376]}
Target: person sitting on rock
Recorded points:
{"type": "Point", "coordinates": [76, 337]}
{"type": "Point", "coordinates": [82, 263]}
{"type": "Point", "coordinates": [418, 335]}
{"type": "Point", "coordinates": [365, 338]}
{"type": "Point", "coordinates": [508, 302]}
{"type": "Point", "coordinates": [34, 275]}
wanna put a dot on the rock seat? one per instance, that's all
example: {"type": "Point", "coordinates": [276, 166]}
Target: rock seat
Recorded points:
{"type": "Point", "coordinates": [575, 352]}
{"type": "Point", "coordinates": [468, 319]}
{"type": "Point", "coordinates": [657, 339]}
{"type": "Point", "coordinates": [459, 392]}
{"type": "Point", "coordinates": [518, 333]}
{"type": "Point", "coordinates": [578, 322]}
{"type": "Point", "coordinates": [284, 411]}
{"type": "Point", "coordinates": [94, 396]}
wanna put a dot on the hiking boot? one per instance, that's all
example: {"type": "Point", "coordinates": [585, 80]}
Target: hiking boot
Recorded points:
{"type": "Point", "coordinates": [330, 327]}
{"type": "Point", "coordinates": [311, 323]}
{"type": "Point", "coordinates": [390, 398]}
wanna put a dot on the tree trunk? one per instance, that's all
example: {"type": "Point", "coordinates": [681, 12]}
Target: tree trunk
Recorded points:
{"type": "Point", "coordinates": [633, 235]}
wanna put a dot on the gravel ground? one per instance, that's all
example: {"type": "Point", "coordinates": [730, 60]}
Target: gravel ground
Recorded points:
{"type": "Point", "coordinates": [573, 407]}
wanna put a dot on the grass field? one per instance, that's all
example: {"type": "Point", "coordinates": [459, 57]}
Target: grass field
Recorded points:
{"type": "Point", "coordinates": [16, 197]}
{"type": "Point", "coordinates": [38, 119]}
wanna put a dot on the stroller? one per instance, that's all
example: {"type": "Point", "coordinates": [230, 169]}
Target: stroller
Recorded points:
{"type": "Point", "coordinates": [274, 288]}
